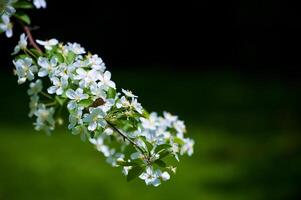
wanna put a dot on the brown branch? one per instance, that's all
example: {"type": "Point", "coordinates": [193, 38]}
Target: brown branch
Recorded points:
{"type": "Point", "coordinates": [31, 40]}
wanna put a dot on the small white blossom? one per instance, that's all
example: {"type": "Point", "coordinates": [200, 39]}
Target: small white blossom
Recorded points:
{"type": "Point", "coordinates": [58, 85]}
{"type": "Point", "coordinates": [137, 106]}
{"type": "Point", "coordinates": [105, 80]}
{"type": "Point", "coordinates": [47, 67]}
{"type": "Point", "coordinates": [187, 147]}
{"type": "Point", "coordinates": [151, 122]}
{"type": "Point", "coordinates": [86, 78]}
{"type": "Point", "coordinates": [100, 146]}
{"type": "Point", "coordinates": [75, 48]}
{"type": "Point", "coordinates": [95, 119]}
{"type": "Point", "coordinates": [22, 44]}
{"type": "Point", "coordinates": [76, 96]}
{"type": "Point", "coordinates": [35, 87]}
{"type": "Point", "coordinates": [39, 4]}
{"type": "Point", "coordinates": [97, 63]}
{"type": "Point", "coordinates": [6, 26]}
{"type": "Point", "coordinates": [129, 93]}
{"type": "Point", "coordinates": [48, 44]}
{"type": "Point", "coordinates": [165, 176]}
{"type": "Point", "coordinates": [45, 120]}
{"type": "Point", "coordinates": [33, 104]}
{"type": "Point", "coordinates": [151, 177]}
{"type": "Point", "coordinates": [7, 8]}
{"type": "Point", "coordinates": [25, 69]}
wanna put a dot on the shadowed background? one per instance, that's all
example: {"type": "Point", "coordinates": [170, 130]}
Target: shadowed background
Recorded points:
{"type": "Point", "coordinates": [229, 69]}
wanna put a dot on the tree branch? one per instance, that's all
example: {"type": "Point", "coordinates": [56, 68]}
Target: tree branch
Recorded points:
{"type": "Point", "coordinates": [125, 137]}
{"type": "Point", "coordinates": [30, 38]}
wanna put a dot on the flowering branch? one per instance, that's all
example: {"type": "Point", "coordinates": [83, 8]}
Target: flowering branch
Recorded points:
{"type": "Point", "coordinates": [126, 137]}
{"type": "Point", "coordinates": [64, 76]}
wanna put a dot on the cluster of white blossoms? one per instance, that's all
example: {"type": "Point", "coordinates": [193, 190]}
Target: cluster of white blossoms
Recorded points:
{"type": "Point", "coordinates": [8, 10]}
{"type": "Point", "coordinates": [63, 78]}
{"type": "Point", "coordinates": [145, 145]}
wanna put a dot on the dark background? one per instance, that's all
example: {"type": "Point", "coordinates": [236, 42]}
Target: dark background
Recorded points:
{"type": "Point", "coordinates": [229, 69]}
{"type": "Point", "coordinates": [256, 36]}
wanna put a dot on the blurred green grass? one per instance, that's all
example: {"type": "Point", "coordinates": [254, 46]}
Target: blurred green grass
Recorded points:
{"type": "Point", "coordinates": [247, 135]}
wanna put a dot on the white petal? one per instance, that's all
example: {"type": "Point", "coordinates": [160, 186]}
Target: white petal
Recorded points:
{"type": "Point", "coordinates": [71, 94]}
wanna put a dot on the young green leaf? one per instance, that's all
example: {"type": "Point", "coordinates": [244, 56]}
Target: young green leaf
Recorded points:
{"type": "Point", "coordinates": [134, 172]}
{"type": "Point", "coordinates": [23, 5]}
{"type": "Point", "coordinates": [23, 17]}
{"type": "Point", "coordinates": [162, 146]}
{"type": "Point", "coordinates": [160, 163]}
{"type": "Point", "coordinates": [111, 93]}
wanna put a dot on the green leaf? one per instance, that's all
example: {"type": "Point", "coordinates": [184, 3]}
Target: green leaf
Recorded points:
{"type": "Point", "coordinates": [35, 52]}
{"type": "Point", "coordinates": [70, 58]}
{"type": "Point", "coordinates": [134, 172]}
{"type": "Point", "coordinates": [179, 141]}
{"type": "Point", "coordinates": [23, 5]}
{"type": "Point", "coordinates": [164, 153]}
{"type": "Point", "coordinates": [162, 146]}
{"type": "Point", "coordinates": [59, 57]}
{"type": "Point", "coordinates": [86, 102]}
{"type": "Point", "coordinates": [149, 146]}
{"type": "Point", "coordinates": [160, 163]}
{"type": "Point", "coordinates": [23, 17]}
{"type": "Point", "coordinates": [111, 93]}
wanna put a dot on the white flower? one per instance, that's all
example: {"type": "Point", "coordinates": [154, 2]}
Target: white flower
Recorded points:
{"type": "Point", "coordinates": [165, 176]}
{"type": "Point", "coordinates": [108, 131]}
{"type": "Point", "coordinates": [6, 7]}
{"type": "Point", "coordinates": [39, 4]}
{"type": "Point", "coordinates": [169, 117]}
{"type": "Point", "coordinates": [35, 87]}
{"type": "Point", "coordinates": [187, 147]}
{"type": "Point", "coordinates": [81, 130]}
{"type": "Point", "coordinates": [66, 71]}
{"type": "Point", "coordinates": [75, 118]}
{"type": "Point", "coordinates": [129, 93]}
{"type": "Point", "coordinates": [100, 146]}
{"type": "Point", "coordinates": [45, 120]}
{"type": "Point", "coordinates": [151, 177]}
{"type": "Point", "coordinates": [86, 77]}
{"type": "Point", "coordinates": [6, 26]}
{"type": "Point", "coordinates": [137, 106]}
{"type": "Point", "coordinates": [22, 44]}
{"type": "Point", "coordinates": [75, 48]}
{"type": "Point", "coordinates": [33, 104]}
{"type": "Point", "coordinates": [151, 122]}
{"type": "Point", "coordinates": [123, 102]}
{"type": "Point", "coordinates": [105, 80]}
{"type": "Point", "coordinates": [95, 119]}
{"type": "Point", "coordinates": [97, 63]}
{"type": "Point", "coordinates": [58, 85]}
{"type": "Point", "coordinates": [47, 68]}
{"type": "Point", "coordinates": [98, 91]}
{"type": "Point", "coordinates": [25, 70]}
{"type": "Point", "coordinates": [76, 97]}
{"type": "Point", "coordinates": [48, 44]}
{"type": "Point", "coordinates": [180, 128]}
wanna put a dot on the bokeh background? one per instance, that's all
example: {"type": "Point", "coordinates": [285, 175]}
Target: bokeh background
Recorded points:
{"type": "Point", "coordinates": [230, 69]}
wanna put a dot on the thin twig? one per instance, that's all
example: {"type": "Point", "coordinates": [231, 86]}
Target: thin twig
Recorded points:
{"type": "Point", "coordinates": [30, 38]}
{"type": "Point", "coordinates": [125, 137]}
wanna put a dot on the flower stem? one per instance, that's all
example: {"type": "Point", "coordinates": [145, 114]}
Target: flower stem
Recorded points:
{"type": "Point", "coordinates": [46, 95]}
{"type": "Point", "coordinates": [126, 137]}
